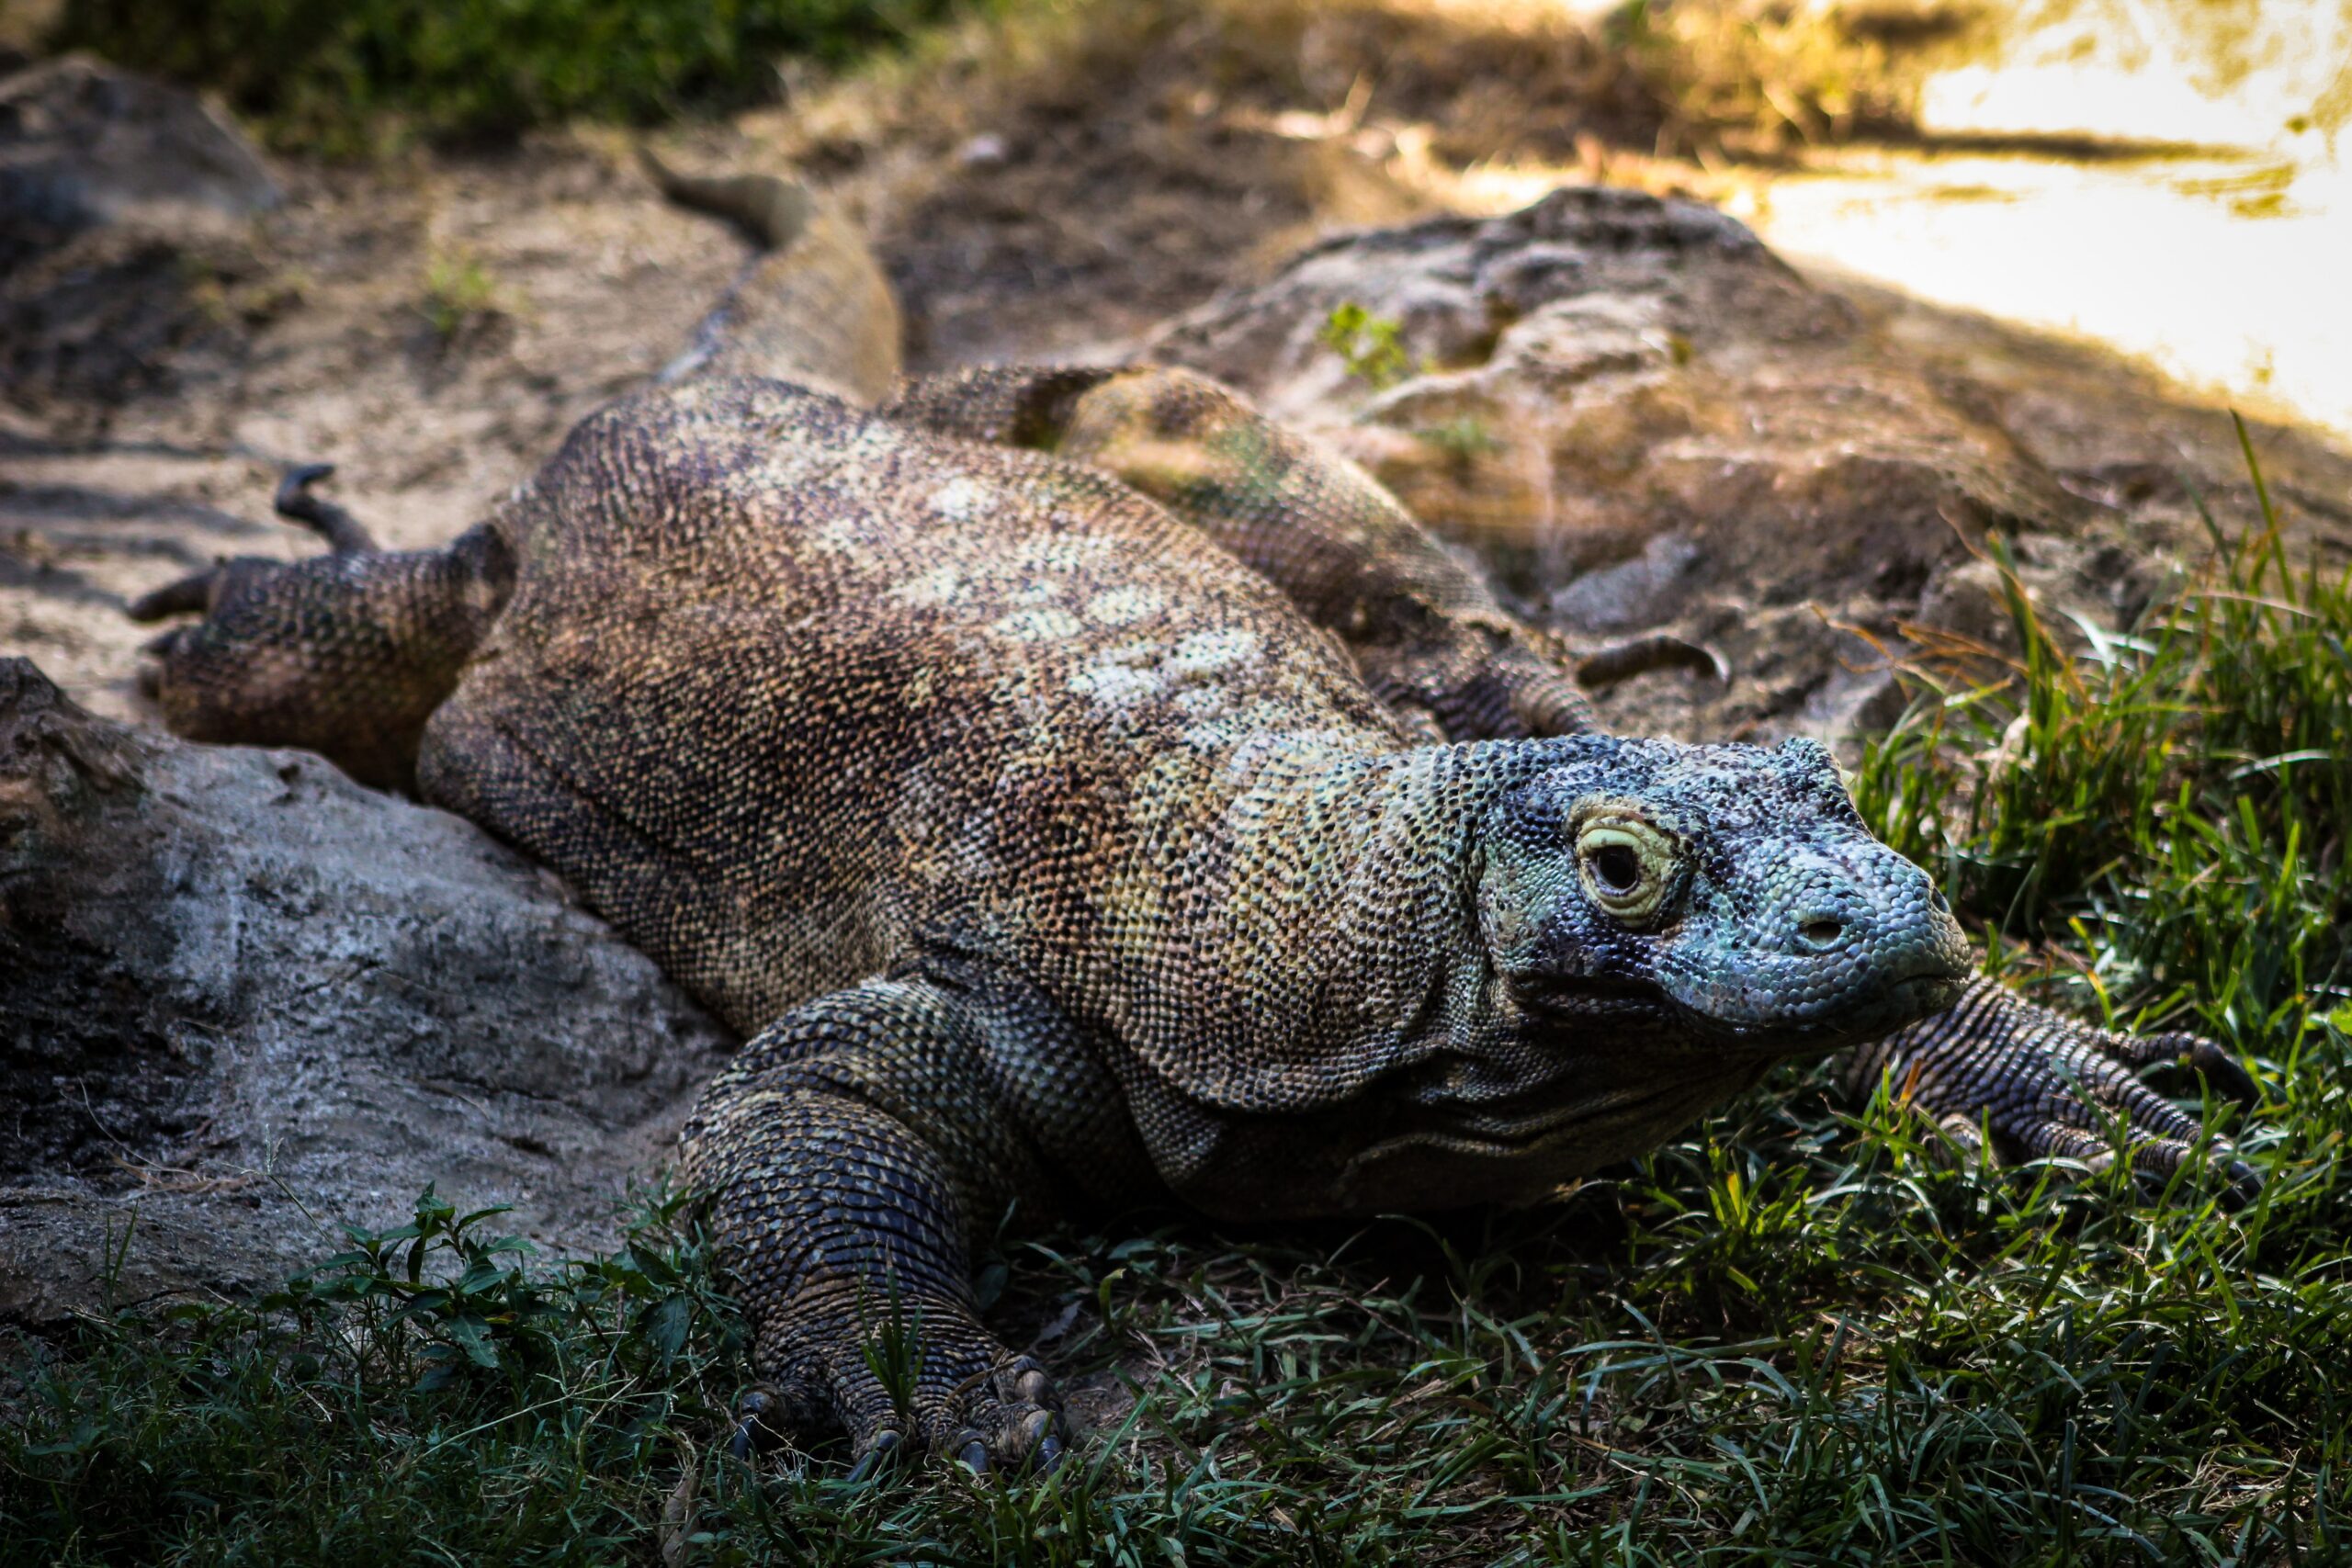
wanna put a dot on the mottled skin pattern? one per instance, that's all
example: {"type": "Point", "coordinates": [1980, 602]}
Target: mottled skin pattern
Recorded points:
{"type": "Point", "coordinates": [1428, 634]}
{"type": "Point", "coordinates": [1164, 814]}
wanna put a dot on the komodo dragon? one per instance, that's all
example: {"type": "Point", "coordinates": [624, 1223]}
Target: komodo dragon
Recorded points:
{"type": "Point", "coordinates": [1160, 813]}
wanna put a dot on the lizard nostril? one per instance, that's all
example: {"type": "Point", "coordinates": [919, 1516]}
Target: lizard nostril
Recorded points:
{"type": "Point", "coordinates": [1821, 931]}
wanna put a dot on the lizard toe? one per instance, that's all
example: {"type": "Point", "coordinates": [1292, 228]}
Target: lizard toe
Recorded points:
{"type": "Point", "coordinates": [1012, 1418]}
{"type": "Point", "coordinates": [1032, 1441]}
{"type": "Point", "coordinates": [2044, 1084]}
{"type": "Point", "coordinates": [754, 1430]}
{"type": "Point", "coordinates": [2157, 1147]}
{"type": "Point", "coordinates": [881, 1449]}
{"type": "Point", "coordinates": [2208, 1060]}
{"type": "Point", "coordinates": [968, 1401]}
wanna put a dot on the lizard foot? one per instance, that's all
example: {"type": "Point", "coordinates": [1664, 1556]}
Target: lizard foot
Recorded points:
{"type": "Point", "coordinates": [2046, 1085]}
{"type": "Point", "coordinates": [203, 593]}
{"type": "Point", "coordinates": [840, 1152]}
{"type": "Point", "coordinates": [947, 1388]}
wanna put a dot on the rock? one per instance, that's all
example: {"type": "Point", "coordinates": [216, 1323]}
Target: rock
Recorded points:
{"type": "Point", "coordinates": [1643, 420]}
{"type": "Point", "coordinates": [1606, 367]}
{"type": "Point", "coordinates": [83, 144]}
{"type": "Point", "coordinates": [125, 211]}
{"type": "Point", "coordinates": [1633, 593]}
{"type": "Point", "coordinates": [242, 998]}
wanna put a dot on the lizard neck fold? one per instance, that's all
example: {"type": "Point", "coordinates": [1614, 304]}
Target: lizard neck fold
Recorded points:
{"type": "Point", "coordinates": [1319, 937]}
{"type": "Point", "coordinates": [1326, 917]}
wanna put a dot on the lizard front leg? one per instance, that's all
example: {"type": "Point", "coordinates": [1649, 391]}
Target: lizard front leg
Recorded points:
{"type": "Point", "coordinates": [850, 1156]}
{"type": "Point", "coordinates": [2045, 1084]}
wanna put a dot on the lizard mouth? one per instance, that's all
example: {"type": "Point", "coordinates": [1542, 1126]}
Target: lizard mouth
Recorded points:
{"type": "Point", "coordinates": [1596, 999]}
{"type": "Point", "coordinates": [1587, 993]}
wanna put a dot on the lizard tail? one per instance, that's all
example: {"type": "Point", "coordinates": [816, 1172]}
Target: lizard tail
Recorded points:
{"type": "Point", "coordinates": [814, 306]}
{"type": "Point", "coordinates": [773, 209]}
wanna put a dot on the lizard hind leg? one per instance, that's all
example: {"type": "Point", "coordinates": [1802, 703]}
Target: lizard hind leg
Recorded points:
{"type": "Point", "coordinates": [347, 654]}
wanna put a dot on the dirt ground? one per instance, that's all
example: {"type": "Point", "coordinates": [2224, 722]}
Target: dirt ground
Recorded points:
{"type": "Point", "coordinates": [1045, 191]}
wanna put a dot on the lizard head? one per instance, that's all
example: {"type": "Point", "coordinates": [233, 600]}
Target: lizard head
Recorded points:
{"type": "Point", "coordinates": [1712, 895]}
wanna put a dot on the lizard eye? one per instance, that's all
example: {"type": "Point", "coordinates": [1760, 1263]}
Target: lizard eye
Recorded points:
{"type": "Point", "coordinates": [1617, 868]}
{"type": "Point", "coordinates": [1627, 864]}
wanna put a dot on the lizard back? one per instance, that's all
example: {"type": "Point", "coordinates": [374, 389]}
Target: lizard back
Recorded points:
{"type": "Point", "coordinates": [785, 690]}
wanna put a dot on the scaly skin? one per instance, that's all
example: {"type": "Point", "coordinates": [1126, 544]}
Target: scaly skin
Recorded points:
{"type": "Point", "coordinates": [1058, 857]}
{"type": "Point", "coordinates": [1428, 634]}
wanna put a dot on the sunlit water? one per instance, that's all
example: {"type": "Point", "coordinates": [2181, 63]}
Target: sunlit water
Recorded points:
{"type": "Point", "coordinates": [2173, 181]}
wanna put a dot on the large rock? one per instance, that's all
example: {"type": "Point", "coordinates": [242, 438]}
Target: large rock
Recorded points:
{"type": "Point", "coordinates": [242, 998]}
{"type": "Point", "coordinates": [1643, 420]}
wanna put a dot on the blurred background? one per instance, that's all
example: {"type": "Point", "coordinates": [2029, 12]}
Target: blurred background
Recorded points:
{"type": "Point", "coordinates": [2162, 176]}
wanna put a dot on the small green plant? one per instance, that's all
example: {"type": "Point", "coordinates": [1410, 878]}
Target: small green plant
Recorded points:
{"type": "Point", "coordinates": [894, 1354]}
{"type": "Point", "coordinates": [426, 1360]}
{"type": "Point", "coordinates": [1465, 438]}
{"type": "Point", "coordinates": [1371, 346]}
{"type": "Point", "coordinates": [459, 292]}
{"type": "Point", "coordinates": [437, 1293]}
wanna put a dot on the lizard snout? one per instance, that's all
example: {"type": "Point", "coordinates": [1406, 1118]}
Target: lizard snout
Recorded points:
{"type": "Point", "coordinates": [1846, 938]}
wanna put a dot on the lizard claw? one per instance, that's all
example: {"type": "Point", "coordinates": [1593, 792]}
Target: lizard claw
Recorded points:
{"type": "Point", "coordinates": [881, 1449]}
{"type": "Point", "coordinates": [2245, 1182]}
{"type": "Point", "coordinates": [970, 1403]}
{"type": "Point", "coordinates": [2045, 1085]}
{"type": "Point", "coordinates": [753, 1430]}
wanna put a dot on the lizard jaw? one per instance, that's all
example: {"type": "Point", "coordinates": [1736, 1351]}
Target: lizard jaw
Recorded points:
{"type": "Point", "coordinates": [1600, 1002]}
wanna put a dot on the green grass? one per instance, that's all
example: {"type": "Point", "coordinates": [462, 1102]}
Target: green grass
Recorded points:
{"type": "Point", "coordinates": [1802, 1334]}
{"type": "Point", "coordinates": [1371, 346]}
{"type": "Point", "coordinates": [2164, 817]}
{"type": "Point", "coordinates": [343, 78]}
